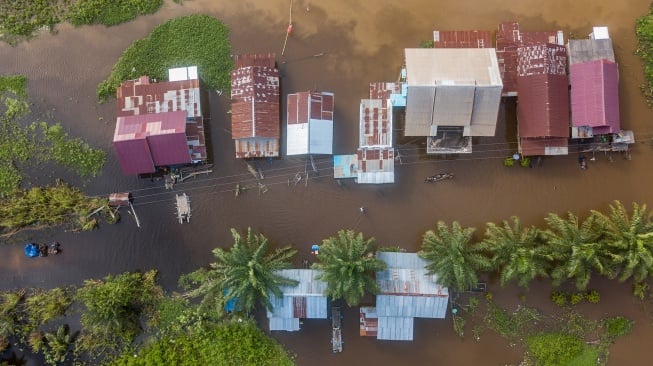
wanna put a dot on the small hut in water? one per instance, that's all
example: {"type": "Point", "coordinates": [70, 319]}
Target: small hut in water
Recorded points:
{"type": "Point", "coordinates": [119, 199]}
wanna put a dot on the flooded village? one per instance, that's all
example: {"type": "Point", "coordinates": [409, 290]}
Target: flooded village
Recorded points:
{"type": "Point", "coordinates": [376, 117]}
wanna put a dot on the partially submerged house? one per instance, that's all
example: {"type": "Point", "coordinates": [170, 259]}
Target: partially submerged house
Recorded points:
{"type": "Point", "coordinates": [159, 124]}
{"type": "Point", "coordinates": [543, 103]}
{"type": "Point", "coordinates": [407, 292]}
{"type": "Point", "coordinates": [309, 123]}
{"type": "Point", "coordinates": [453, 94]}
{"type": "Point", "coordinates": [304, 301]}
{"type": "Point", "coordinates": [509, 39]}
{"type": "Point", "coordinates": [255, 116]}
{"type": "Point", "coordinates": [594, 78]}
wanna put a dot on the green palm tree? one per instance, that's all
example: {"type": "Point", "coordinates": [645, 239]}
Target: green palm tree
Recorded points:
{"type": "Point", "coordinates": [578, 248]}
{"type": "Point", "coordinates": [247, 272]}
{"type": "Point", "coordinates": [631, 237]}
{"type": "Point", "coordinates": [518, 252]}
{"type": "Point", "coordinates": [453, 257]}
{"type": "Point", "coordinates": [348, 266]}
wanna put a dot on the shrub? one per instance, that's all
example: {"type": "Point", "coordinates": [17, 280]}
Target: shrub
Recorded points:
{"type": "Point", "coordinates": [459, 326]}
{"type": "Point", "coordinates": [553, 349]}
{"type": "Point", "coordinates": [109, 12]}
{"type": "Point", "coordinates": [509, 161]}
{"type": "Point", "coordinates": [576, 298]}
{"type": "Point", "coordinates": [559, 298]}
{"type": "Point", "coordinates": [617, 326]}
{"type": "Point", "coordinates": [593, 296]}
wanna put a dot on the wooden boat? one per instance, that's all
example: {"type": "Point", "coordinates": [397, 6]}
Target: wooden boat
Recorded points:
{"type": "Point", "coordinates": [438, 177]}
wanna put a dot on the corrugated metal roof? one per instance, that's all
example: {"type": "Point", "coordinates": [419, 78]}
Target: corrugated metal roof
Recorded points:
{"type": "Point", "coordinates": [395, 328]}
{"type": "Point", "coordinates": [462, 39]}
{"type": "Point", "coordinates": [255, 118]}
{"type": "Point", "coordinates": [369, 321]}
{"type": "Point", "coordinates": [595, 95]}
{"type": "Point", "coordinates": [402, 260]}
{"type": "Point", "coordinates": [433, 307]}
{"type": "Point", "coordinates": [141, 96]}
{"type": "Point", "coordinates": [309, 127]}
{"type": "Point", "coordinates": [452, 66]}
{"type": "Point", "coordinates": [376, 165]}
{"type": "Point", "coordinates": [542, 85]}
{"type": "Point", "coordinates": [585, 50]}
{"type": "Point", "coordinates": [509, 38]}
{"type": "Point", "coordinates": [375, 123]}
{"type": "Point", "coordinates": [451, 87]}
{"type": "Point", "coordinates": [306, 300]}
{"type": "Point", "coordinates": [543, 146]}
{"type": "Point", "coordinates": [158, 139]}
{"type": "Point", "coordinates": [182, 73]}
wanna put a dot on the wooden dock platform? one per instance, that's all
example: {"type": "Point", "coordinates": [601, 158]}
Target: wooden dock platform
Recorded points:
{"type": "Point", "coordinates": [336, 334]}
{"type": "Point", "coordinates": [183, 207]}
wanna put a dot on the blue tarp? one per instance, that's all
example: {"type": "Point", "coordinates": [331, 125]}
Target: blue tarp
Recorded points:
{"type": "Point", "coordinates": [31, 250]}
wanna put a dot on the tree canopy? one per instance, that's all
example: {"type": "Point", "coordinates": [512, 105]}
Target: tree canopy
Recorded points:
{"type": "Point", "coordinates": [348, 265]}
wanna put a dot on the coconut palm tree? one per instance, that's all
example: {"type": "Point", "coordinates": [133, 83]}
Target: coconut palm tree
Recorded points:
{"type": "Point", "coordinates": [453, 257]}
{"type": "Point", "coordinates": [518, 253]}
{"type": "Point", "coordinates": [247, 272]}
{"type": "Point", "coordinates": [631, 237]}
{"type": "Point", "coordinates": [578, 248]}
{"type": "Point", "coordinates": [348, 266]}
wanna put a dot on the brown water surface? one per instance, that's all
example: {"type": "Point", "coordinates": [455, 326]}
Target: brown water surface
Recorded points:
{"type": "Point", "coordinates": [362, 41]}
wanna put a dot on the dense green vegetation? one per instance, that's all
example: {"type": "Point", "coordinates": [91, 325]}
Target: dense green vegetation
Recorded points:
{"type": "Point", "coordinates": [51, 206]}
{"type": "Point", "coordinates": [113, 309]}
{"type": "Point", "coordinates": [109, 12]}
{"type": "Point", "coordinates": [229, 343]}
{"type": "Point", "coordinates": [644, 30]}
{"type": "Point", "coordinates": [194, 40]}
{"type": "Point", "coordinates": [23, 141]}
{"type": "Point", "coordinates": [348, 266]}
{"type": "Point", "coordinates": [116, 310]}
{"type": "Point", "coordinates": [20, 19]}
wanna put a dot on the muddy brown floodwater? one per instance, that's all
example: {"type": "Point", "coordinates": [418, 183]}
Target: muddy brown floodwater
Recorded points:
{"type": "Point", "coordinates": [362, 41]}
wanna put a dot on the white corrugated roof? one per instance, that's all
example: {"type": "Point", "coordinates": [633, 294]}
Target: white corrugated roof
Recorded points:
{"type": "Point", "coordinates": [460, 66]}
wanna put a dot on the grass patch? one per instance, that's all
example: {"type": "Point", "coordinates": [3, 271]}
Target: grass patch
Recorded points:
{"type": "Point", "coordinates": [21, 19]}
{"type": "Point", "coordinates": [644, 31]}
{"type": "Point", "coordinates": [194, 40]}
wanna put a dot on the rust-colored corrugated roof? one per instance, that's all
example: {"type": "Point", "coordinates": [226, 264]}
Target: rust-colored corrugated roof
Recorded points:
{"type": "Point", "coordinates": [382, 90]}
{"type": "Point", "coordinates": [543, 106]}
{"type": "Point", "coordinates": [255, 59]}
{"type": "Point", "coordinates": [255, 97]}
{"type": "Point", "coordinates": [321, 107]}
{"type": "Point", "coordinates": [543, 146]}
{"type": "Point", "coordinates": [509, 38]}
{"type": "Point", "coordinates": [141, 96]}
{"type": "Point", "coordinates": [542, 85]}
{"type": "Point", "coordinates": [462, 39]}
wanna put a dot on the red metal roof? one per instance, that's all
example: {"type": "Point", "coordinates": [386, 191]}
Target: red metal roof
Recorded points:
{"type": "Point", "coordinates": [145, 141]}
{"type": "Point", "coordinates": [462, 39]}
{"type": "Point", "coordinates": [543, 104]}
{"type": "Point", "coordinates": [542, 146]}
{"type": "Point", "coordinates": [595, 95]}
{"type": "Point", "coordinates": [382, 90]}
{"type": "Point", "coordinates": [255, 103]}
{"type": "Point", "coordinates": [509, 38]}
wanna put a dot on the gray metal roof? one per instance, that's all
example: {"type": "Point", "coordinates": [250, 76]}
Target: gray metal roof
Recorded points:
{"type": "Point", "coordinates": [402, 260]}
{"type": "Point", "coordinates": [452, 66]}
{"type": "Point", "coordinates": [305, 301]}
{"type": "Point", "coordinates": [585, 50]}
{"type": "Point", "coordinates": [395, 328]}
{"type": "Point", "coordinates": [412, 306]}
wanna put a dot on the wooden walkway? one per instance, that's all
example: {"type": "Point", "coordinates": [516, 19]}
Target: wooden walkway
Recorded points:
{"type": "Point", "coordinates": [336, 334]}
{"type": "Point", "coordinates": [183, 208]}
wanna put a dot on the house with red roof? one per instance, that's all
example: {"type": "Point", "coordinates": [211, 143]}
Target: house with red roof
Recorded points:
{"type": "Point", "coordinates": [255, 116]}
{"type": "Point", "coordinates": [594, 78]}
{"type": "Point", "coordinates": [543, 103]}
{"type": "Point", "coordinates": [159, 124]}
